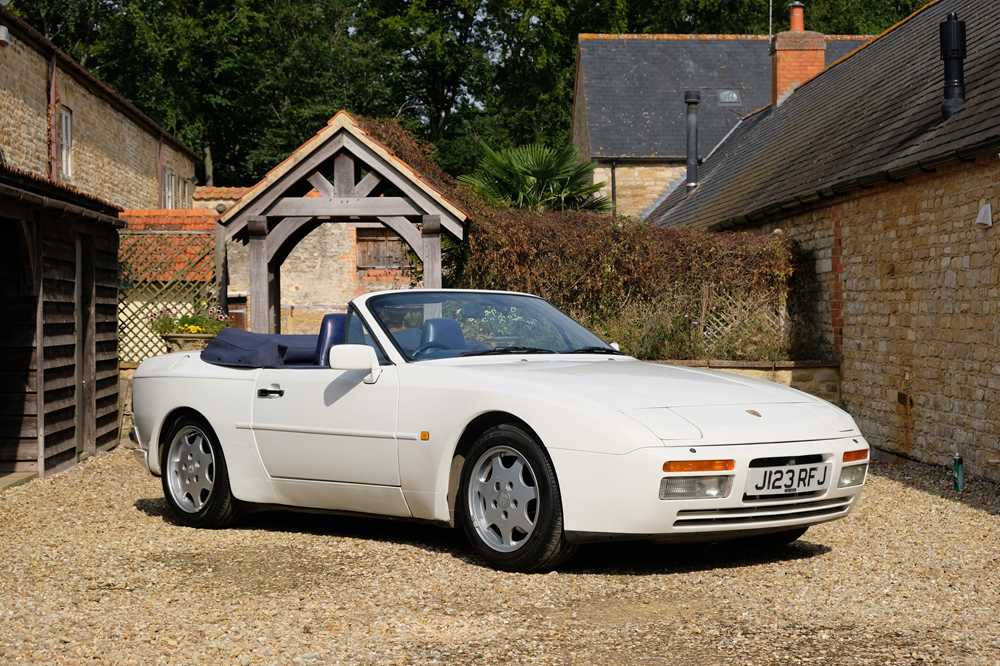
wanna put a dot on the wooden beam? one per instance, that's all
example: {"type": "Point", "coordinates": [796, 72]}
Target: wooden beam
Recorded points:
{"type": "Point", "coordinates": [343, 174]}
{"type": "Point", "coordinates": [259, 274]}
{"type": "Point", "coordinates": [322, 185]}
{"type": "Point", "coordinates": [345, 206]}
{"type": "Point", "coordinates": [366, 184]}
{"type": "Point", "coordinates": [429, 207]}
{"type": "Point", "coordinates": [280, 186]}
{"type": "Point", "coordinates": [431, 233]}
{"type": "Point", "coordinates": [280, 234]}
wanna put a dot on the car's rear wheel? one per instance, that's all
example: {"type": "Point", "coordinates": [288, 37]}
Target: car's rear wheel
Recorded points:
{"type": "Point", "coordinates": [509, 503]}
{"type": "Point", "coordinates": [195, 478]}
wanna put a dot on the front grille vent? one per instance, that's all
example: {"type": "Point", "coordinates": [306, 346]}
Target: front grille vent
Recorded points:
{"type": "Point", "coordinates": [762, 514]}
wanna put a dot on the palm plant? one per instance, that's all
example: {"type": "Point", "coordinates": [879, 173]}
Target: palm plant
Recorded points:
{"type": "Point", "coordinates": [537, 177]}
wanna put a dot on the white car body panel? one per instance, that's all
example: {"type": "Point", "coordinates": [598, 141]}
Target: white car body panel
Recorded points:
{"type": "Point", "coordinates": [608, 424]}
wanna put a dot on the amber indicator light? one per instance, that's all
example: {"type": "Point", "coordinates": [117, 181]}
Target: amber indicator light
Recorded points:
{"type": "Point", "coordinates": [856, 456]}
{"type": "Point", "coordinates": [699, 466]}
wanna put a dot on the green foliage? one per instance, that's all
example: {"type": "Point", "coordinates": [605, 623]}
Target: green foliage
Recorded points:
{"type": "Point", "coordinates": [248, 80]}
{"type": "Point", "coordinates": [537, 177]}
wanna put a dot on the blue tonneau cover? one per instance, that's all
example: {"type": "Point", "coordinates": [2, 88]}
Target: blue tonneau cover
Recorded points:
{"type": "Point", "coordinates": [237, 348]}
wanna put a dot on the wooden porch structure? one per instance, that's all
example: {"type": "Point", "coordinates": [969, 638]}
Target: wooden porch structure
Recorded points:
{"type": "Point", "coordinates": [59, 342]}
{"type": "Point", "coordinates": [340, 175]}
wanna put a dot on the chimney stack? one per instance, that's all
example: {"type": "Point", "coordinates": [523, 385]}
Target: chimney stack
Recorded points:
{"type": "Point", "coordinates": [692, 98]}
{"type": "Point", "coordinates": [953, 53]}
{"type": "Point", "coordinates": [797, 55]}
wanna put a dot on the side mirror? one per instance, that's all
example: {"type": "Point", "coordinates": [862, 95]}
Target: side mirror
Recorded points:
{"type": "Point", "coordinates": [615, 346]}
{"type": "Point", "coordinates": [356, 357]}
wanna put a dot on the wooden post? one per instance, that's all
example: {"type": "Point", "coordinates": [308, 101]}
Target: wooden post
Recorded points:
{"type": "Point", "coordinates": [431, 233]}
{"type": "Point", "coordinates": [221, 268]}
{"type": "Point", "coordinates": [260, 305]}
{"type": "Point", "coordinates": [274, 298]}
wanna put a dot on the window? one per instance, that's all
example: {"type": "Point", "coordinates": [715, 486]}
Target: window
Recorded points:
{"type": "Point", "coordinates": [729, 97]}
{"type": "Point", "coordinates": [358, 334]}
{"type": "Point", "coordinates": [65, 143]}
{"type": "Point", "coordinates": [380, 248]}
{"type": "Point", "coordinates": [169, 180]}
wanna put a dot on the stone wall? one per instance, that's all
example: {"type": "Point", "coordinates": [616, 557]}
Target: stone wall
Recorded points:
{"type": "Point", "coordinates": [638, 186]}
{"type": "Point", "coordinates": [24, 108]}
{"type": "Point", "coordinates": [319, 276]}
{"type": "Point", "coordinates": [906, 288]}
{"type": "Point", "coordinates": [115, 157]}
{"type": "Point", "coordinates": [817, 378]}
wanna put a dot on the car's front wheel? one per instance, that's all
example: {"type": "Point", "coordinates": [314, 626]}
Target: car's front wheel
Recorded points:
{"type": "Point", "coordinates": [509, 504]}
{"type": "Point", "coordinates": [195, 478]}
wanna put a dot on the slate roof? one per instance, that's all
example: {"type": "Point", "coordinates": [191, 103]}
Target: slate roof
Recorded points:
{"type": "Point", "coordinates": [633, 87]}
{"type": "Point", "coordinates": [875, 115]}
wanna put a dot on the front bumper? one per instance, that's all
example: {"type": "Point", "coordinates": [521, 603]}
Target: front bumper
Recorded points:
{"type": "Point", "coordinates": [619, 494]}
{"type": "Point", "coordinates": [140, 452]}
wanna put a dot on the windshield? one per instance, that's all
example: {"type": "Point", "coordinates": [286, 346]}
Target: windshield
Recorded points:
{"type": "Point", "coordinates": [429, 325]}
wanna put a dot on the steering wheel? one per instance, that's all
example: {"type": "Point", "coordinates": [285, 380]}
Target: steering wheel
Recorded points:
{"type": "Point", "coordinates": [427, 346]}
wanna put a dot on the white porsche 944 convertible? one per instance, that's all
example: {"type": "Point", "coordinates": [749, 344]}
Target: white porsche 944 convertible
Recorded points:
{"type": "Point", "coordinates": [495, 412]}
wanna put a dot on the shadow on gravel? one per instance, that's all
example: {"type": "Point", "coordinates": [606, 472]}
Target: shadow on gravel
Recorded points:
{"type": "Point", "coordinates": [622, 558]}
{"type": "Point", "coordinates": [640, 558]}
{"type": "Point", "coordinates": [981, 494]}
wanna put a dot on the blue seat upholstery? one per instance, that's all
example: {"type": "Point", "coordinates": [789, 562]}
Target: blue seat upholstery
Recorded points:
{"type": "Point", "coordinates": [332, 331]}
{"type": "Point", "coordinates": [443, 333]}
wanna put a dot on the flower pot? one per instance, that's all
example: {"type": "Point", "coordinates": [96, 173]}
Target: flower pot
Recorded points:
{"type": "Point", "coordinates": [186, 341]}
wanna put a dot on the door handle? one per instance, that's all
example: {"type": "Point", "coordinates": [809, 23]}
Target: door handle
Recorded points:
{"type": "Point", "coordinates": [270, 392]}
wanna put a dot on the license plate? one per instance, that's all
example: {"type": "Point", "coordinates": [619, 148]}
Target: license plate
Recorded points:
{"type": "Point", "coordinates": [788, 479]}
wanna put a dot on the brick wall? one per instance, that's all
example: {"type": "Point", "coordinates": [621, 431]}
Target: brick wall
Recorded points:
{"type": "Point", "coordinates": [319, 276]}
{"type": "Point", "coordinates": [115, 157]}
{"type": "Point", "coordinates": [638, 186]}
{"type": "Point", "coordinates": [906, 287]}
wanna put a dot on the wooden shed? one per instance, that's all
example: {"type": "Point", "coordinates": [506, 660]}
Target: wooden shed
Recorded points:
{"type": "Point", "coordinates": [59, 341]}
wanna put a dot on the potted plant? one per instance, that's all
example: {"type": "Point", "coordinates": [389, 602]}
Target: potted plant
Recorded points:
{"type": "Point", "coordinates": [188, 332]}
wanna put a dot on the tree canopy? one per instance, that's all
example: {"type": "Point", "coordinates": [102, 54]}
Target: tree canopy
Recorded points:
{"type": "Point", "coordinates": [249, 80]}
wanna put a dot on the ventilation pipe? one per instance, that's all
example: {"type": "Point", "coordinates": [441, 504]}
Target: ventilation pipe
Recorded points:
{"type": "Point", "coordinates": [953, 53]}
{"type": "Point", "coordinates": [692, 98]}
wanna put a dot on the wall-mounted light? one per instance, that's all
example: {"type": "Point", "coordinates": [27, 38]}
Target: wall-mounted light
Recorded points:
{"type": "Point", "coordinates": [985, 217]}
{"type": "Point", "coordinates": [4, 36]}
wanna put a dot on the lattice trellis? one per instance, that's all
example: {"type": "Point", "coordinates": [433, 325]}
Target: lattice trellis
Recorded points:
{"type": "Point", "coordinates": [161, 270]}
{"type": "Point", "coordinates": [737, 320]}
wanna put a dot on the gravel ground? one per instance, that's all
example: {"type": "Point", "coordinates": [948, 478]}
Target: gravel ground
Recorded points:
{"type": "Point", "coordinates": [90, 571]}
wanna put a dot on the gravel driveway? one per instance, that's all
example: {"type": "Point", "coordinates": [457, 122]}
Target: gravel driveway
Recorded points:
{"type": "Point", "coordinates": [91, 571]}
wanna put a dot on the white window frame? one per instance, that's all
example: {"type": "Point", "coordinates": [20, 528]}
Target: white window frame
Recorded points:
{"type": "Point", "coordinates": [65, 142]}
{"type": "Point", "coordinates": [168, 187]}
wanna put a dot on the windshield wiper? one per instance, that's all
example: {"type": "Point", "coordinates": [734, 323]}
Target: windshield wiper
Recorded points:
{"type": "Point", "coordinates": [510, 349]}
{"type": "Point", "coordinates": [596, 350]}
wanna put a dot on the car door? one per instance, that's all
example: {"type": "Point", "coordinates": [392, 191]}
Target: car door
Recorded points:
{"type": "Point", "coordinates": [322, 424]}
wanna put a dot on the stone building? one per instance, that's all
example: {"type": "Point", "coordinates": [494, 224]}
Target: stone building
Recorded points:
{"type": "Point", "coordinates": [889, 188]}
{"type": "Point", "coordinates": [628, 106]}
{"type": "Point", "coordinates": [59, 122]}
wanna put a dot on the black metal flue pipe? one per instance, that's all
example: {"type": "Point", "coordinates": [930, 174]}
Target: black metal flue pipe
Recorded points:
{"type": "Point", "coordinates": [692, 98]}
{"type": "Point", "coordinates": [953, 51]}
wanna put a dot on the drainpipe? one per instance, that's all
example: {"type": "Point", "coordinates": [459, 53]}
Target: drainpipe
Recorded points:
{"type": "Point", "coordinates": [614, 191]}
{"type": "Point", "coordinates": [692, 98]}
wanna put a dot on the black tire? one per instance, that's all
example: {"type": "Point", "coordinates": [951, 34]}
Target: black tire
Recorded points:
{"type": "Point", "coordinates": [220, 508]}
{"type": "Point", "coordinates": [546, 546]}
{"type": "Point", "coordinates": [773, 540]}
